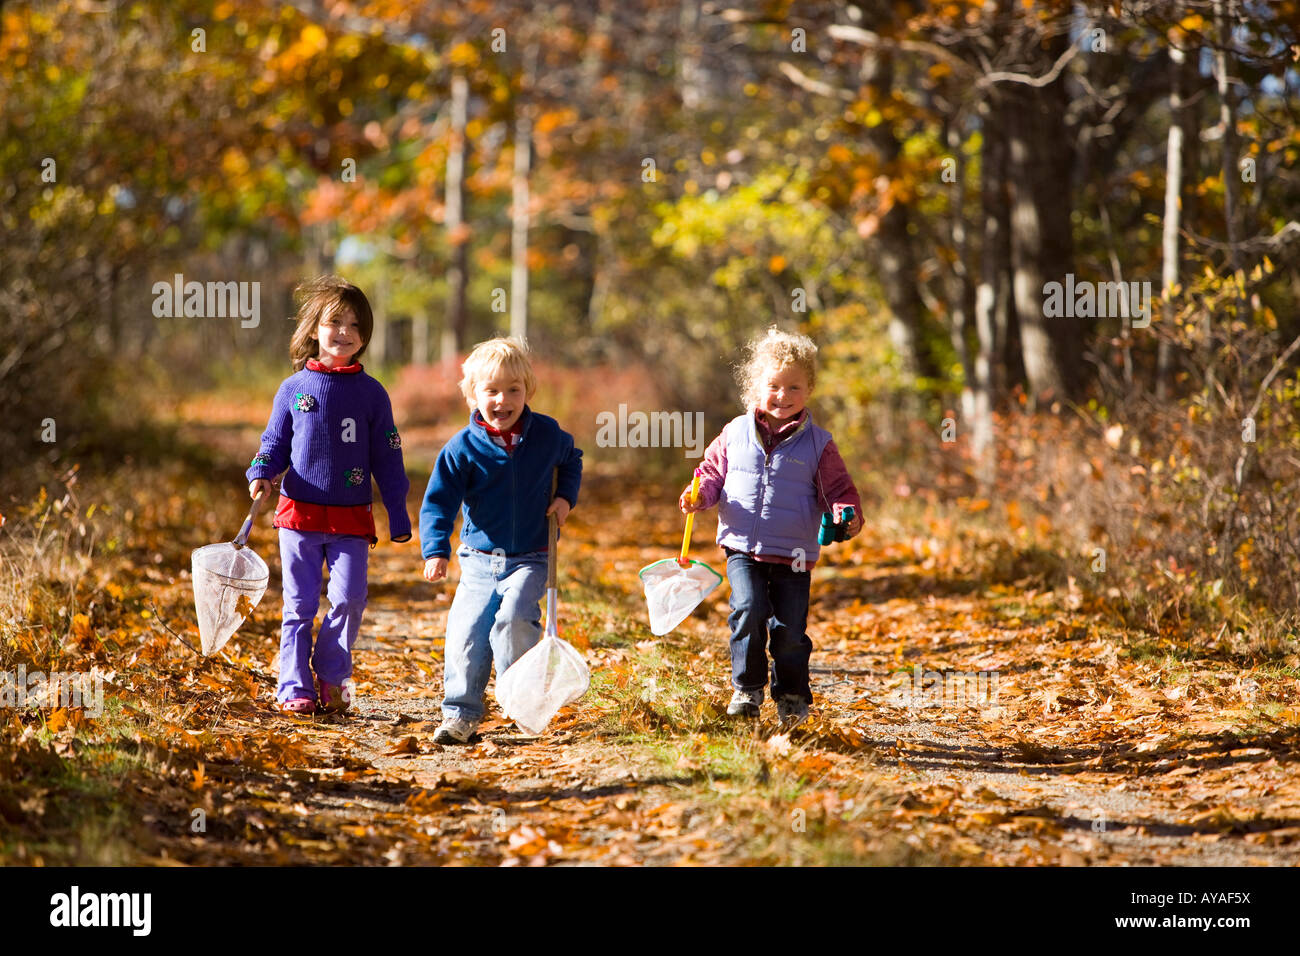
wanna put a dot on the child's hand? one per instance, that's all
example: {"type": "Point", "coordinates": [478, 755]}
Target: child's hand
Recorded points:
{"type": "Point", "coordinates": [855, 525]}
{"type": "Point", "coordinates": [259, 484]}
{"type": "Point", "coordinates": [686, 504]}
{"type": "Point", "coordinates": [435, 569]}
{"type": "Point", "coordinates": [560, 508]}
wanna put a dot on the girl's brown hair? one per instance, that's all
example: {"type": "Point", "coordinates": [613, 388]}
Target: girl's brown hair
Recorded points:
{"type": "Point", "coordinates": [318, 298]}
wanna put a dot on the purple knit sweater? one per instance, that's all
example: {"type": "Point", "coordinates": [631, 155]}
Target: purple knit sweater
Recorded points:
{"type": "Point", "coordinates": [333, 431]}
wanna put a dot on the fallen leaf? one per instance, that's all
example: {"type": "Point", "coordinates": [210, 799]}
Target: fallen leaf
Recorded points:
{"type": "Point", "coordinates": [408, 747]}
{"type": "Point", "coordinates": [779, 744]}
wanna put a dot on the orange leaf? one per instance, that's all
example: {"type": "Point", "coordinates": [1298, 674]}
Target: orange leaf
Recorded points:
{"type": "Point", "coordinates": [408, 747]}
{"type": "Point", "coordinates": [57, 720]}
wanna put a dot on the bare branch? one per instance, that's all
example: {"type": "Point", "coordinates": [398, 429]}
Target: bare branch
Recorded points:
{"type": "Point", "coordinates": [1001, 76]}
{"type": "Point", "coordinates": [806, 82]}
{"type": "Point", "coordinates": [1274, 243]}
{"type": "Point", "coordinates": [875, 41]}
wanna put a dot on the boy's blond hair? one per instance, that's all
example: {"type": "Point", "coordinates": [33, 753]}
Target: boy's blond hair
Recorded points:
{"type": "Point", "coordinates": [775, 350]}
{"type": "Point", "coordinates": [495, 355]}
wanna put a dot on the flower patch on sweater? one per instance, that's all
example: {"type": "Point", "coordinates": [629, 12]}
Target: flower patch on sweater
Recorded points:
{"type": "Point", "coordinates": [261, 458]}
{"type": "Point", "coordinates": [303, 402]}
{"type": "Point", "coordinates": [355, 476]}
{"type": "Point", "coordinates": [394, 439]}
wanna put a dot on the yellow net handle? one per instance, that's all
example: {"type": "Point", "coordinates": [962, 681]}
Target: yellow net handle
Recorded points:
{"type": "Point", "coordinates": [690, 520]}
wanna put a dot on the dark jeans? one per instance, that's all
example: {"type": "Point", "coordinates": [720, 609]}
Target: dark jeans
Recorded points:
{"type": "Point", "coordinates": [769, 601]}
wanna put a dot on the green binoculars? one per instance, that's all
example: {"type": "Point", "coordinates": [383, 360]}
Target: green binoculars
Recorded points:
{"type": "Point", "coordinates": [832, 530]}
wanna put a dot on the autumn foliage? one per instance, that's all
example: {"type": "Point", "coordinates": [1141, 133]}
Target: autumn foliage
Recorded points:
{"type": "Point", "coordinates": [1097, 511]}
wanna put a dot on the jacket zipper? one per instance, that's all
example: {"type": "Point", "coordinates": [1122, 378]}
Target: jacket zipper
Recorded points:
{"type": "Point", "coordinates": [514, 504]}
{"type": "Point", "coordinates": [514, 496]}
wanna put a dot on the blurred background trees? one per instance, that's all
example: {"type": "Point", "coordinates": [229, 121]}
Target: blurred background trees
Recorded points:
{"type": "Point", "coordinates": [643, 184]}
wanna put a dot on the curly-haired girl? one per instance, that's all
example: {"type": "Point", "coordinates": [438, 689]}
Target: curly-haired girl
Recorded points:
{"type": "Point", "coordinates": [772, 473]}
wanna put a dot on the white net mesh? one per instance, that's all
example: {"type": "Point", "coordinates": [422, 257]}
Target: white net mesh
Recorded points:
{"type": "Point", "coordinates": [673, 592]}
{"type": "Point", "coordinates": [543, 680]}
{"type": "Point", "coordinates": [228, 583]}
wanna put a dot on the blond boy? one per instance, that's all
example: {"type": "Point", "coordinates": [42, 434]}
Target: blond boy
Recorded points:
{"type": "Point", "coordinates": [497, 471]}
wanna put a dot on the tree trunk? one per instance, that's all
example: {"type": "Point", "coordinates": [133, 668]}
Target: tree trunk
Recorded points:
{"type": "Point", "coordinates": [688, 56]}
{"type": "Point", "coordinates": [1041, 241]}
{"type": "Point", "coordinates": [1172, 220]}
{"type": "Point", "coordinates": [992, 305]}
{"type": "Point", "coordinates": [960, 290]}
{"type": "Point", "coordinates": [519, 226]}
{"type": "Point", "coordinates": [457, 230]}
{"type": "Point", "coordinates": [1223, 11]}
{"type": "Point", "coordinates": [420, 338]}
{"type": "Point", "coordinates": [896, 260]}
{"type": "Point", "coordinates": [602, 261]}
{"type": "Point", "coordinates": [520, 197]}
{"type": "Point", "coordinates": [380, 348]}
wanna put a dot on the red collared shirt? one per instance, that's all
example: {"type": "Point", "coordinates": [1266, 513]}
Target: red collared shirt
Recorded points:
{"type": "Point", "coordinates": [507, 439]}
{"type": "Point", "coordinates": [316, 366]}
{"type": "Point", "coordinates": [773, 437]}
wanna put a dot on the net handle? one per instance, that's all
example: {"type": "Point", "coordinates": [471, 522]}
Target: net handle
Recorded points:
{"type": "Point", "coordinates": [552, 535]}
{"type": "Point", "coordinates": [242, 538]}
{"type": "Point", "coordinates": [690, 520]}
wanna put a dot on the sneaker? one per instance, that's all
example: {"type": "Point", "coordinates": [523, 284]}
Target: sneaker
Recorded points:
{"type": "Point", "coordinates": [791, 710]}
{"type": "Point", "coordinates": [453, 730]}
{"type": "Point", "coordinates": [335, 698]}
{"type": "Point", "coordinates": [745, 703]}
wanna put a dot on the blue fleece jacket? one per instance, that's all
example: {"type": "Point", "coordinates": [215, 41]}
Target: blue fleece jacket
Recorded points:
{"type": "Point", "coordinates": [504, 494]}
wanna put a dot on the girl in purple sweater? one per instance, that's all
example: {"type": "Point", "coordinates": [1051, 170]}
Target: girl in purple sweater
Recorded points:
{"type": "Point", "coordinates": [332, 428]}
{"type": "Point", "coordinates": [772, 473]}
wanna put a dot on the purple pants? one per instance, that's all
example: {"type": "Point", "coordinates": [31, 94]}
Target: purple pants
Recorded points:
{"type": "Point", "coordinates": [303, 554]}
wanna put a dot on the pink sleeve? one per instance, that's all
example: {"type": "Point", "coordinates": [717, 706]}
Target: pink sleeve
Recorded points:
{"type": "Point", "coordinates": [713, 471]}
{"type": "Point", "coordinates": [835, 489]}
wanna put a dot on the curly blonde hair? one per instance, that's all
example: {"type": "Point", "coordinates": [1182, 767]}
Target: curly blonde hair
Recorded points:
{"type": "Point", "coordinates": [509, 355]}
{"type": "Point", "coordinates": [775, 350]}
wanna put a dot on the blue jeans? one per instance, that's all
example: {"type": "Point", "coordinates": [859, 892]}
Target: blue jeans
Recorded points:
{"type": "Point", "coordinates": [303, 556]}
{"type": "Point", "coordinates": [769, 603]}
{"type": "Point", "coordinates": [495, 617]}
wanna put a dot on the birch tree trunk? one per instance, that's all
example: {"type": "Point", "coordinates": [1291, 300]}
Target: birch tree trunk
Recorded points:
{"type": "Point", "coordinates": [1223, 11]}
{"type": "Point", "coordinates": [992, 292]}
{"type": "Point", "coordinates": [519, 198]}
{"type": "Point", "coordinates": [960, 293]}
{"type": "Point", "coordinates": [420, 338]}
{"type": "Point", "coordinates": [1173, 215]}
{"type": "Point", "coordinates": [519, 221]}
{"type": "Point", "coordinates": [453, 333]}
{"type": "Point", "coordinates": [379, 342]}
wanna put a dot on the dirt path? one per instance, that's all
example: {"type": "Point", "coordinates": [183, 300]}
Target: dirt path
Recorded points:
{"type": "Point", "coordinates": [1080, 747]}
{"type": "Point", "coordinates": [1061, 767]}
{"type": "Point", "coordinates": [1084, 755]}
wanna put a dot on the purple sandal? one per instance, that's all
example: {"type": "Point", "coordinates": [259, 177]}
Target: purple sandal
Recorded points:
{"type": "Point", "coordinates": [297, 706]}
